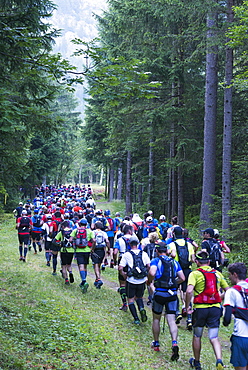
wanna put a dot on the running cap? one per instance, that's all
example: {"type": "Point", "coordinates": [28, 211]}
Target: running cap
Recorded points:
{"type": "Point", "coordinates": [162, 217]}
{"type": "Point", "coordinates": [24, 212]}
{"type": "Point", "coordinates": [149, 219]}
{"type": "Point", "coordinates": [98, 212]}
{"type": "Point", "coordinates": [20, 203]}
{"type": "Point", "coordinates": [202, 256]}
{"type": "Point", "coordinates": [178, 231]}
{"type": "Point", "coordinates": [36, 210]}
{"type": "Point", "coordinates": [161, 247]}
{"type": "Point", "coordinates": [83, 221]}
{"type": "Point", "coordinates": [49, 216]}
{"type": "Point", "coordinates": [151, 229]}
{"type": "Point", "coordinates": [209, 231]}
{"type": "Point", "coordinates": [107, 212]}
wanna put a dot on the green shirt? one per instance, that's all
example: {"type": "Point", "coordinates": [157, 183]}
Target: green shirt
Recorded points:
{"type": "Point", "coordinates": [90, 235]}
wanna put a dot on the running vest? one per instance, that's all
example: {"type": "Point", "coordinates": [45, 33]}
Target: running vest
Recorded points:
{"type": "Point", "coordinates": [210, 294]}
{"type": "Point", "coordinates": [168, 278]}
{"type": "Point", "coordinates": [239, 312]}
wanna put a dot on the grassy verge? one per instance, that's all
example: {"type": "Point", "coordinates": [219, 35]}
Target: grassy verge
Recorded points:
{"type": "Point", "coordinates": [46, 325]}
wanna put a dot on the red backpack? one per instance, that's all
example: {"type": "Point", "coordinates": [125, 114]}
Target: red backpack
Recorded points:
{"type": "Point", "coordinates": [81, 238]}
{"type": "Point", "coordinates": [210, 294]}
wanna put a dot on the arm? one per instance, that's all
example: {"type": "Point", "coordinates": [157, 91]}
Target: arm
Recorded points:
{"type": "Point", "coordinates": [124, 274]}
{"type": "Point", "coordinates": [189, 295]}
{"type": "Point", "coordinates": [227, 315]}
{"type": "Point", "coordinates": [180, 277]}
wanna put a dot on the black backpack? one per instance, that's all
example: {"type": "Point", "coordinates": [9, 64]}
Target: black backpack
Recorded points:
{"type": "Point", "coordinates": [214, 253]}
{"type": "Point", "coordinates": [139, 231]}
{"type": "Point", "coordinates": [164, 231]}
{"type": "Point", "coordinates": [66, 239]}
{"type": "Point", "coordinates": [24, 223]}
{"type": "Point", "coordinates": [183, 255]}
{"type": "Point", "coordinates": [150, 250]}
{"type": "Point", "coordinates": [139, 270]}
{"type": "Point", "coordinates": [168, 278]}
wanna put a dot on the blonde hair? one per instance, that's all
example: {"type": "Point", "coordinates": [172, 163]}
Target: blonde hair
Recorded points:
{"type": "Point", "coordinates": [153, 237]}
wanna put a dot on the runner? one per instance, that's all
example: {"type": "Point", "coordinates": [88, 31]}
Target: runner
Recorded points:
{"type": "Point", "coordinates": [36, 230]}
{"type": "Point", "coordinates": [24, 226]}
{"type": "Point", "coordinates": [98, 254]}
{"type": "Point", "coordinates": [205, 283]}
{"type": "Point", "coordinates": [164, 276]}
{"type": "Point", "coordinates": [138, 264]}
{"type": "Point", "coordinates": [81, 238]}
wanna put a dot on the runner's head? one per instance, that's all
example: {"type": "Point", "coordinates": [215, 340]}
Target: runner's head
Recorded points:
{"type": "Point", "coordinates": [202, 258]}
{"type": "Point", "coordinates": [24, 213]}
{"type": "Point", "coordinates": [99, 225]}
{"type": "Point", "coordinates": [83, 222]}
{"type": "Point", "coordinates": [161, 248]}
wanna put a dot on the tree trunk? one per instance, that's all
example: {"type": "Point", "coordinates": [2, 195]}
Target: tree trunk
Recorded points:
{"type": "Point", "coordinates": [101, 176]}
{"type": "Point", "coordinates": [180, 198]}
{"type": "Point", "coordinates": [151, 174]}
{"type": "Point", "coordinates": [227, 131]}
{"type": "Point", "coordinates": [111, 184]}
{"type": "Point", "coordinates": [119, 184]}
{"type": "Point", "coordinates": [129, 184]}
{"type": "Point", "coordinates": [208, 186]}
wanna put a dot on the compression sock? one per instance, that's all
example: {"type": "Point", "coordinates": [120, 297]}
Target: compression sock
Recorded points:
{"type": "Point", "coordinates": [133, 310]}
{"type": "Point", "coordinates": [140, 303]}
{"type": "Point", "coordinates": [34, 246]}
{"type": "Point", "coordinates": [83, 275]}
{"type": "Point", "coordinates": [123, 294]}
{"type": "Point", "coordinates": [20, 250]}
{"type": "Point", "coordinates": [47, 254]}
{"type": "Point", "coordinates": [39, 246]}
{"type": "Point", "coordinates": [54, 262]}
{"type": "Point", "coordinates": [25, 251]}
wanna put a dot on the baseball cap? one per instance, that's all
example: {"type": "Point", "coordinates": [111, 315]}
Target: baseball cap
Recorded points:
{"type": "Point", "coordinates": [178, 231]}
{"type": "Point", "coordinates": [149, 219]}
{"type": "Point", "coordinates": [209, 231]}
{"type": "Point", "coordinates": [161, 247]}
{"type": "Point", "coordinates": [134, 240]}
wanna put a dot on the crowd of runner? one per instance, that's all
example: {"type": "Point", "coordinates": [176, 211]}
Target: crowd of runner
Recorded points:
{"type": "Point", "coordinates": [148, 253]}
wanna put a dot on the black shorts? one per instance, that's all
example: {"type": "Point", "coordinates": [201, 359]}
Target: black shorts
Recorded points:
{"type": "Point", "coordinates": [48, 245]}
{"type": "Point", "coordinates": [24, 238]}
{"type": "Point", "coordinates": [184, 284]}
{"type": "Point", "coordinates": [82, 258]}
{"type": "Point", "coordinates": [164, 299]}
{"type": "Point", "coordinates": [35, 236]}
{"type": "Point", "coordinates": [111, 241]}
{"type": "Point", "coordinates": [209, 317]}
{"type": "Point", "coordinates": [98, 255]}
{"type": "Point", "coordinates": [66, 258]}
{"type": "Point", "coordinates": [135, 290]}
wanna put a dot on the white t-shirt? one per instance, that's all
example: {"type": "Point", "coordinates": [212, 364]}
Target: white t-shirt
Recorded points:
{"type": "Point", "coordinates": [234, 299]}
{"type": "Point", "coordinates": [127, 260]}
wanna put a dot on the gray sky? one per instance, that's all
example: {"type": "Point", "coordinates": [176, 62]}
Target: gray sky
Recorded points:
{"type": "Point", "coordinates": [75, 19]}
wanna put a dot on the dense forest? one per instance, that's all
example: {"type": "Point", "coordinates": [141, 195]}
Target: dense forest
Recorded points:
{"type": "Point", "coordinates": [166, 114]}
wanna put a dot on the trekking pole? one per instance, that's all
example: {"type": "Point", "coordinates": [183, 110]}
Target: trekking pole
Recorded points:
{"type": "Point", "coordinates": [164, 323]}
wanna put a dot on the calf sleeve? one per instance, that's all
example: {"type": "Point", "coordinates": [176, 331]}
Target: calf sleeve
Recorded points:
{"type": "Point", "coordinates": [140, 303]}
{"type": "Point", "coordinates": [54, 262]}
{"type": "Point", "coordinates": [133, 310]}
{"type": "Point", "coordinates": [123, 294]}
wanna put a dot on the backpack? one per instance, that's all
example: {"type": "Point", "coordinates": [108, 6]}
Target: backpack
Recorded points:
{"type": "Point", "coordinates": [139, 270]}
{"type": "Point", "coordinates": [112, 223]}
{"type": "Point", "coordinates": [100, 241]}
{"type": "Point", "coordinates": [66, 238]}
{"type": "Point", "coordinates": [81, 238]}
{"type": "Point", "coordinates": [150, 250]}
{"type": "Point", "coordinates": [210, 294]}
{"type": "Point", "coordinates": [37, 222]}
{"type": "Point", "coordinates": [215, 253]}
{"type": "Point", "coordinates": [164, 231]}
{"type": "Point", "coordinates": [183, 255]}
{"type": "Point", "coordinates": [168, 278]}
{"type": "Point", "coordinates": [139, 231]}
{"type": "Point", "coordinates": [24, 223]}
{"type": "Point", "coordinates": [241, 313]}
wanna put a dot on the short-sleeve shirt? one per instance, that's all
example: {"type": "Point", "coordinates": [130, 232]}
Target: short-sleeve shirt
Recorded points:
{"type": "Point", "coordinates": [233, 298]}
{"type": "Point", "coordinates": [90, 235]}
{"type": "Point", "coordinates": [127, 260]}
{"type": "Point", "coordinates": [197, 279]}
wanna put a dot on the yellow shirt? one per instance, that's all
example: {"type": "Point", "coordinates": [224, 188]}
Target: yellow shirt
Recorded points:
{"type": "Point", "coordinates": [197, 279]}
{"type": "Point", "coordinates": [181, 242]}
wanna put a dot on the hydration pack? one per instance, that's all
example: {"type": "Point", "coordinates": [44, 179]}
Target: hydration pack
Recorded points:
{"type": "Point", "coordinates": [81, 238]}
{"type": "Point", "coordinates": [66, 238]}
{"type": "Point", "coordinates": [37, 222]}
{"type": "Point", "coordinates": [112, 223]}
{"type": "Point", "coordinates": [24, 223]}
{"type": "Point", "coordinates": [100, 241]}
{"type": "Point", "coordinates": [139, 230]}
{"type": "Point", "coordinates": [139, 270]}
{"type": "Point", "coordinates": [183, 255]}
{"type": "Point", "coordinates": [210, 294]}
{"type": "Point", "coordinates": [215, 253]}
{"type": "Point", "coordinates": [168, 278]}
{"type": "Point", "coordinates": [150, 249]}
{"type": "Point", "coordinates": [242, 313]}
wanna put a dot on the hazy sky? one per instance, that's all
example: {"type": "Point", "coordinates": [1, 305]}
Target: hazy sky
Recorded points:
{"type": "Point", "coordinates": [75, 19]}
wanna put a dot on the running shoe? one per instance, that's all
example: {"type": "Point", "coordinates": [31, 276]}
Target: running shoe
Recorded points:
{"type": "Point", "coordinates": [112, 265]}
{"type": "Point", "coordinates": [175, 353]}
{"type": "Point", "coordinates": [48, 263]}
{"type": "Point", "coordinates": [67, 282]}
{"type": "Point", "coordinates": [21, 258]}
{"type": "Point", "coordinates": [35, 252]}
{"type": "Point", "coordinates": [124, 307]}
{"type": "Point", "coordinates": [143, 315]}
{"type": "Point", "coordinates": [155, 345]}
{"type": "Point", "coordinates": [40, 248]}
{"type": "Point", "coordinates": [184, 312]}
{"type": "Point", "coordinates": [84, 287]}
{"type": "Point", "coordinates": [99, 284]}
{"type": "Point", "coordinates": [54, 273]}
{"type": "Point", "coordinates": [71, 277]}
{"type": "Point", "coordinates": [219, 365]}
{"type": "Point", "coordinates": [24, 259]}
{"type": "Point", "coordinates": [195, 364]}
{"type": "Point", "coordinates": [178, 318]}
{"type": "Point", "coordinates": [189, 325]}
{"type": "Point", "coordinates": [136, 322]}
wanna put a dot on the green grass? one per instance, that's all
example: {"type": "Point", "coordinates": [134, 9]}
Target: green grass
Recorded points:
{"type": "Point", "coordinates": [47, 325]}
